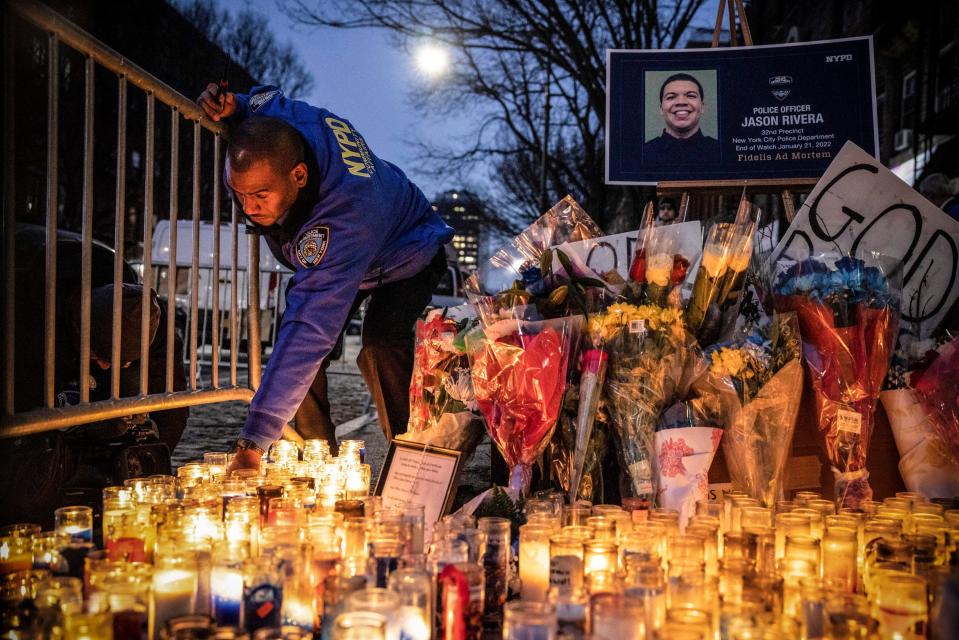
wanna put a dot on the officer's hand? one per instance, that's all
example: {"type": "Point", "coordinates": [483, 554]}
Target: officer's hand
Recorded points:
{"type": "Point", "coordinates": [217, 103]}
{"type": "Point", "coordinates": [245, 459]}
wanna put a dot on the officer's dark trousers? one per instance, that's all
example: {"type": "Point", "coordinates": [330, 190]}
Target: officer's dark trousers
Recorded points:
{"type": "Point", "coordinates": [386, 358]}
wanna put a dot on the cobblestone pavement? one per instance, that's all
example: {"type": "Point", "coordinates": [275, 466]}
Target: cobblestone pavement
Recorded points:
{"type": "Point", "coordinates": [215, 427]}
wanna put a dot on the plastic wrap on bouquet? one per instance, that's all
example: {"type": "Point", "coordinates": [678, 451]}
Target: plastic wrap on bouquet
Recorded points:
{"type": "Point", "coordinates": [721, 277]}
{"type": "Point", "coordinates": [848, 312]}
{"type": "Point", "coordinates": [649, 353]}
{"type": "Point", "coordinates": [924, 463]}
{"type": "Point", "coordinates": [759, 435]}
{"type": "Point", "coordinates": [519, 378]}
{"type": "Point", "coordinates": [767, 374]}
{"type": "Point", "coordinates": [521, 272]}
{"type": "Point", "coordinates": [443, 408]}
{"type": "Point", "coordinates": [938, 390]}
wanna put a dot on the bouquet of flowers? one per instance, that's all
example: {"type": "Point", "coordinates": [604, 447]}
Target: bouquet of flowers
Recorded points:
{"type": "Point", "coordinates": [936, 389]}
{"type": "Point", "coordinates": [660, 262]}
{"type": "Point", "coordinates": [519, 376]}
{"type": "Point", "coordinates": [925, 463]}
{"type": "Point", "coordinates": [443, 407]}
{"type": "Point", "coordinates": [848, 311]}
{"type": "Point", "coordinates": [720, 279]}
{"type": "Point", "coordinates": [531, 301]}
{"type": "Point", "coordinates": [766, 372]}
{"type": "Point", "coordinates": [579, 445]}
{"type": "Point", "coordinates": [686, 440]}
{"type": "Point", "coordinates": [649, 353]}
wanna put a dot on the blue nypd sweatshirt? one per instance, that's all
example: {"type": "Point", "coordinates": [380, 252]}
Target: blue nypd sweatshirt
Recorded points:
{"type": "Point", "coordinates": [365, 224]}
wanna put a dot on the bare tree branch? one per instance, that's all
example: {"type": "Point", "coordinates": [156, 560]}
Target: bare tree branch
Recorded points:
{"type": "Point", "coordinates": [507, 53]}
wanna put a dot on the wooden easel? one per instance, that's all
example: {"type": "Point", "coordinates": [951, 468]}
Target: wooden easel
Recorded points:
{"type": "Point", "coordinates": [784, 186]}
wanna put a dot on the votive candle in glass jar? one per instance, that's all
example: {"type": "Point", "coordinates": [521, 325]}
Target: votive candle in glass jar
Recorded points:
{"type": "Point", "coordinates": [565, 562]}
{"type": "Point", "coordinates": [226, 585]}
{"type": "Point", "coordinates": [534, 561]}
{"type": "Point", "coordinates": [454, 611]}
{"type": "Point", "coordinates": [900, 605]}
{"type": "Point", "coordinates": [495, 563]}
{"type": "Point", "coordinates": [847, 615]}
{"type": "Point", "coordinates": [382, 601]}
{"type": "Point", "coordinates": [600, 555]}
{"type": "Point", "coordinates": [359, 625]}
{"type": "Point", "coordinates": [839, 552]}
{"type": "Point", "coordinates": [789, 524]}
{"type": "Point", "coordinates": [571, 608]}
{"type": "Point", "coordinates": [523, 620]}
{"type": "Point", "coordinates": [415, 590]}
{"type": "Point", "coordinates": [75, 522]}
{"type": "Point", "coordinates": [804, 548]}
{"type": "Point", "coordinates": [175, 582]}
{"type": "Point", "coordinates": [617, 616]}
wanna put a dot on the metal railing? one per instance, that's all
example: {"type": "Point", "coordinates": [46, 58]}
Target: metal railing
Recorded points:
{"type": "Point", "coordinates": [61, 32]}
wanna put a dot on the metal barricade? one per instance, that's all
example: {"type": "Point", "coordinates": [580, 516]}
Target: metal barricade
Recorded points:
{"type": "Point", "coordinates": [61, 32]}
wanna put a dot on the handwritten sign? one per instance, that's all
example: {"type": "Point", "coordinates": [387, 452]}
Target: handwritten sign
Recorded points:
{"type": "Point", "coordinates": [415, 474]}
{"type": "Point", "coordinates": [615, 252]}
{"type": "Point", "coordinates": [859, 206]}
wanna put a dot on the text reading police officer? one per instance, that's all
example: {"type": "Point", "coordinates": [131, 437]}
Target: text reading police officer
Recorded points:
{"type": "Point", "coordinates": [351, 226]}
{"type": "Point", "coordinates": [681, 104]}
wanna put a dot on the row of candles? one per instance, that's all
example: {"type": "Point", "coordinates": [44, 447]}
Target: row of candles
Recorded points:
{"type": "Point", "coordinates": [301, 548]}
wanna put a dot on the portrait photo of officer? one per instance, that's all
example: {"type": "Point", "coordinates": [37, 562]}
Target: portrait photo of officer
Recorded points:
{"type": "Point", "coordinates": [674, 129]}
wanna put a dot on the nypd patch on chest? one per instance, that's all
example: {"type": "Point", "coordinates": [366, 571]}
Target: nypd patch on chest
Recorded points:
{"type": "Point", "coordinates": [312, 246]}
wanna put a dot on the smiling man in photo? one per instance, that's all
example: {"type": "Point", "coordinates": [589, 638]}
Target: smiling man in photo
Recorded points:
{"type": "Point", "coordinates": [681, 103]}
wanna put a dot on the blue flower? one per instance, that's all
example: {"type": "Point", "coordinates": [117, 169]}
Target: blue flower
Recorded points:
{"type": "Point", "coordinates": [532, 277]}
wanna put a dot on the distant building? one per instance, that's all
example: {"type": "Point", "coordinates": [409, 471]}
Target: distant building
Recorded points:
{"type": "Point", "coordinates": [917, 70]}
{"type": "Point", "coordinates": [462, 210]}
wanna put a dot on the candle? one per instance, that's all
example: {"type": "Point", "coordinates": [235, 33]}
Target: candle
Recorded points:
{"type": "Point", "coordinates": [263, 595]}
{"type": "Point", "coordinates": [173, 590]}
{"type": "Point", "coordinates": [226, 586]}
{"type": "Point", "coordinates": [358, 482]}
{"type": "Point", "coordinates": [534, 561]}
{"type": "Point", "coordinates": [298, 612]}
{"type": "Point", "coordinates": [16, 554]}
{"type": "Point", "coordinates": [599, 555]}
{"type": "Point", "coordinates": [413, 624]}
{"type": "Point", "coordinates": [565, 562]}
{"type": "Point", "coordinates": [76, 522]}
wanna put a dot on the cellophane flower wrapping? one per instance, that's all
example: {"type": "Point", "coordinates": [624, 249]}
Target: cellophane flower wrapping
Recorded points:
{"type": "Point", "coordinates": [519, 371]}
{"type": "Point", "coordinates": [531, 300]}
{"type": "Point", "coordinates": [649, 357]}
{"type": "Point", "coordinates": [925, 462]}
{"type": "Point", "coordinates": [521, 273]}
{"type": "Point", "coordinates": [848, 311]}
{"type": "Point", "coordinates": [580, 442]}
{"type": "Point", "coordinates": [766, 370]}
{"type": "Point", "coordinates": [443, 407]}
{"type": "Point", "coordinates": [937, 390]}
{"type": "Point", "coordinates": [661, 264]}
{"type": "Point", "coordinates": [720, 279]}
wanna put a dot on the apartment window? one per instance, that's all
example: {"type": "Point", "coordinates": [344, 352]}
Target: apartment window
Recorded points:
{"type": "Point", "coordinates": [947, 78]}
{"type": "Point", "coordinates": [907, 111]}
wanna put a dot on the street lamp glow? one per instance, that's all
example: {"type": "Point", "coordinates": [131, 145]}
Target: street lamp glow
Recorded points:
{"type": "Point", "coordinates": [432, 60]}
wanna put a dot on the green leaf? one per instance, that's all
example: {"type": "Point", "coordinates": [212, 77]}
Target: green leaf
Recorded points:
{"type": "Point", "coordinates": [546, 262]}
{"type": "Point", "coordinates": [592, 282]}
{"type": "Point", "coordinates": [565, 261]}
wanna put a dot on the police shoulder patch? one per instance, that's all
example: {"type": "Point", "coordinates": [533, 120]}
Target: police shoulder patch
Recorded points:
{"type": "Point", "coordinates": [312, 245]}
{"type": "Point", "coordinates": [260, 99]}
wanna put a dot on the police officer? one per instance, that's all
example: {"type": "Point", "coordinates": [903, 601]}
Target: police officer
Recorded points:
{"type": "Point", "coordinates": [681, 103]}
{"type": "Point", "coordinates": [353, 228]}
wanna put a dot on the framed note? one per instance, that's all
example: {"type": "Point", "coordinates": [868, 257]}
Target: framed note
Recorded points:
{"type": "Point", "coordinates": [415, 473]}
